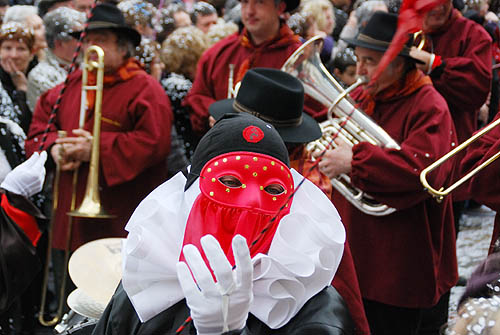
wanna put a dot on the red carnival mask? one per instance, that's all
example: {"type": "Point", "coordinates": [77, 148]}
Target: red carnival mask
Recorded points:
{"type": "Point", "coordinates": [241, 192]}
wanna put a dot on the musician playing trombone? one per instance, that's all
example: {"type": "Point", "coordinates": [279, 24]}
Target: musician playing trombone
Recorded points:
{"type": "Point", "coordinates": [134, 136]}
{"type": "Point", "coordinates": [406, 260]}
{"type": "Point", "coordinates": [484, 186]}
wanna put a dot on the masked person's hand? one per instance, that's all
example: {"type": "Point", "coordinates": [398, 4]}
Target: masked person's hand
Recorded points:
{"type": "Point", "coordinates": [221, 306]}
{"type": "Point", "coordinates": [27, 178]}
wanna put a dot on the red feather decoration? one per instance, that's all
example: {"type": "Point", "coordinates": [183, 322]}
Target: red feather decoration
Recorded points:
{"type": "Point", "coordinates": [410, 20]}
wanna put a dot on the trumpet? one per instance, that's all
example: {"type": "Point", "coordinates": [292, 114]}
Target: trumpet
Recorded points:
{"type": "Point", "coordinates": [91, 205]}
{"type": "Point", "coordinates": [351, 125]}
{"type": "Point", "coordinates": [441, 193]}
{"type": "Point", "coordinates": [232, 89]}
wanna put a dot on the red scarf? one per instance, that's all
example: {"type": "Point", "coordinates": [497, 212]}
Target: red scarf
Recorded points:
{"type": "Point", "coordinates": [284, 38]}
{"type": "Point", "coordinates": [414, 80]}
{"type": "Point", "coordinates": [128, 70]}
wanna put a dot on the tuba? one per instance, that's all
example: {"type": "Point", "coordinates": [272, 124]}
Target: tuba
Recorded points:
{"type": "Point", "coordinates": [344, 120]}
{"type": "Point", "coordinates": [91, 205]}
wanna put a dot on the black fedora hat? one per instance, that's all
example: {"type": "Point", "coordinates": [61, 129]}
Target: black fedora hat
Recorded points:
{"type": "Point", "coordinates": [378, 33]}
{"type": "Point", "coordinates": [275, 97]}
{"type": "Point", "coordinates": [108, 16]}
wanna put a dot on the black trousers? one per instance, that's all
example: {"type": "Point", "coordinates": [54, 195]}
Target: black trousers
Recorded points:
{"type": "Point", "coordinates": [392, 320]}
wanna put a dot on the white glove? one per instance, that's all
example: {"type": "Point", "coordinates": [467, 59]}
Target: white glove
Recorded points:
{"type": "Point", "coordinates": [222, 306]}
{"type": "Point", "coordinates": [27, 178]}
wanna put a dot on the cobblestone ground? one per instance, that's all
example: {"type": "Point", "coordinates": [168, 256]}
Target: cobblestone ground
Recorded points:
{"type": "Point", "coordinates": [473, 241]}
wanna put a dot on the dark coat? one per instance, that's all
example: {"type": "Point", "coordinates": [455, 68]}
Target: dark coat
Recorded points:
{"type": "Point", "coordinates": [324, 314]}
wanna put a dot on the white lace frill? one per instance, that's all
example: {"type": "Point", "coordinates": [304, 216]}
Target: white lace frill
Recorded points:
{"type": "Point", "coordinates": [304, 254]}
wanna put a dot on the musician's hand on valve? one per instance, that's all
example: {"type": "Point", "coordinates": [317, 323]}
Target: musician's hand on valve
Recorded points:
{"type": "Point", "coordinates": [422, 55]}
{"type": "Point", "coordinates": [336, 161]}
{"type": "Point", "coordinates": [77, 148]}
{"type": "Point", "coordinates": [27, 178]}
{"type": "Point", "coordinates": [221, 306]}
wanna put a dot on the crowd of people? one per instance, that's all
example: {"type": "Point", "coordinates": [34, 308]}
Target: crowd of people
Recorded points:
{"type": "Point", "coordinates": [231, 225]}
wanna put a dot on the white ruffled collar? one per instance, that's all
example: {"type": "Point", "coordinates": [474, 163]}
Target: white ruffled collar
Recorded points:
{"type": "Point", "coordinates": [303, 257]}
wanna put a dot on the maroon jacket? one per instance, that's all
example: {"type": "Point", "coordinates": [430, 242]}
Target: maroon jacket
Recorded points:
{"type": "Point", "coordinates": [407, 258]}
{"type": "Point", "coordinates": [212, 75]}
{"type": "Point", "coordinates": [135, 141]}
{"type": "Point", "coordinates": [484, 186]}
{"type": "Point", "coordinates": [464, 79]}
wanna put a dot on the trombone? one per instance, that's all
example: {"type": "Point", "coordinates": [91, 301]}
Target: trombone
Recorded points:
{"type": "Point", "coordinates": [441, 193]}
{"type": "Point", "coordinates": [91, 204]}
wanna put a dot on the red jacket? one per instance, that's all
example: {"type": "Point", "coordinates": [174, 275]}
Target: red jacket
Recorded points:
{"type": "Point", "coordinates": [135, 141]}
{"type": "Point", "coordinates": [485, 185]}
{"type": "Point", "coordinates": [407, 258]}
{"type": "Point", "coordinates": [212, 75]}
{"type": "Point", "coordinates": [464, 80]}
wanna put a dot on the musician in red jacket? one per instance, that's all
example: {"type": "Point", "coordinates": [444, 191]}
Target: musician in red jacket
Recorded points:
{"type": "Point", "coordinates": [484, 186]}
{"type": "Point", "coordinates": [134, 138]}
{"type": "Point", "coordinates": [406, 260]}
{"type": "Point", "coordinates": [265, 41]}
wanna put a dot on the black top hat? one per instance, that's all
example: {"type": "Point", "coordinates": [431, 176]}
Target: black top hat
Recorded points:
{"type": "Point", "coordinates": [108, 16]}
{"type": "Point", "coordinates": [378, 33]}
{"type": "Point", "coordinates": [275, 97]}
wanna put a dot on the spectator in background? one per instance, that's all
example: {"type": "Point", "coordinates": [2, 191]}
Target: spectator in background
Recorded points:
{"type": "Point", "coordinates": [169, 18]}
{"type": "Point", "coordinates": [148, 54]}
{"type": "Point", "coordinates": [219, 6]}
{"type": "Point", "coordinates": [180, 53]}
{"type": "Point", "coordinates": [203, 16]}
{"type": "Point", "coordinates": [178, 12]}
{"type": "Point", "coordinates": [302, 25]}
{"type": "Point", "coordinates": [28, 16]}
{"type": "Point", "coordinates": [221, 30]}
{"type": "Point", "coordinates": [82, 5]}
{"type": "Point", "coordinates": [358, 19]}
{"type": "Point", "coordinates": [139, 15]}
{"type": "Point", "coordinates": [45, 6]}
{"type": "Point", "coordinates": [4, 5]}
{"type": "Point", "coordinates": [343, 67]}
{"type": "Point", "coordinates": [59, 24]}
{"type": "Point", "coordinates": [321, 13]}
{"type": "Point", "coordinates": [16, 52]}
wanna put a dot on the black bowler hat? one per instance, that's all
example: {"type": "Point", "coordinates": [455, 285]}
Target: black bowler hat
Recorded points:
{"type": "Point", "coordinates": [378, 33]}
{"type": "Point", "coordinates": [108, 16]}
{"type": "Point", "coordinates": [275, 97]}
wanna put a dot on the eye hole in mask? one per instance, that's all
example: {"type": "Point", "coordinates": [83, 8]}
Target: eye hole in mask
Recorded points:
{"type": "Point", "coordinates": [230, 181]}
{"type": "Point", "coordinates": [274, 189]}
{"type": "Point", "coordinates": [233, 182]}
